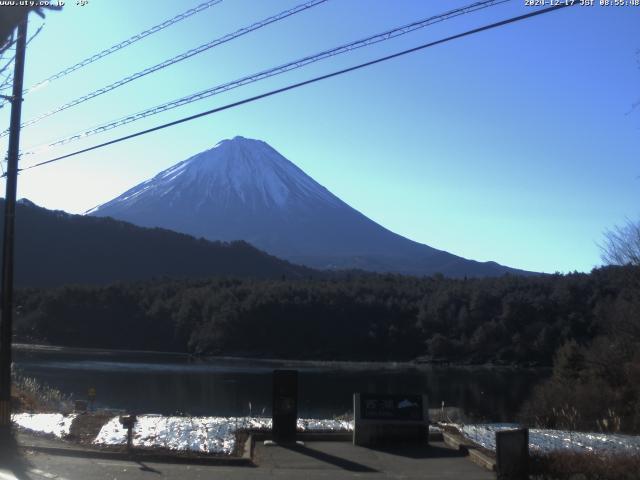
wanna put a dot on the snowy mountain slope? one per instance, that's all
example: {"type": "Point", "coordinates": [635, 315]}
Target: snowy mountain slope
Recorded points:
{"type": "Point", "coordinates": [244, 189]}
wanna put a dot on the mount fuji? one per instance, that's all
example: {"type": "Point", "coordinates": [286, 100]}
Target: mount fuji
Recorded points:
{"type": "Point", "coordinates": [243, 189]}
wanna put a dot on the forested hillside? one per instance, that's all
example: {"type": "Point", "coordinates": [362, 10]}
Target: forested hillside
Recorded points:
{"type": "Point", "coordinates": [595, 385]}
{"type": "Point", "coordinates": [54, 248]}
{"type": "Point", "coordinates": [506, 320]}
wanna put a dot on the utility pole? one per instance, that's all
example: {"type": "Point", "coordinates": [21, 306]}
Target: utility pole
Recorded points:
{"type": "Point", "coordinates": [6, 320]}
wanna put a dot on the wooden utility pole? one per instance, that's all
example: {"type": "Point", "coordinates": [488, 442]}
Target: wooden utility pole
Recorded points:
{"type": "Point", "coordinates": [6, 319]}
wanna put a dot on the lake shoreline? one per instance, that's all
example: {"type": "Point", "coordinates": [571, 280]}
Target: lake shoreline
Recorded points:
{"type": "Point", "coordinates": [234, 386]}
{"type": "Point", "coordinates": [276, 362]}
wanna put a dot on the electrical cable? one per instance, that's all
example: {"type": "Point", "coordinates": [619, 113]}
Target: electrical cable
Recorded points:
{"type": "Point", "coordinates": [299, 63]}
{"type": "Point", "coordinates": [310, 81]}
{"type": "Point", "coordinates": [178, 58]}
{"type": "Point", "coordinates": [125, 43]}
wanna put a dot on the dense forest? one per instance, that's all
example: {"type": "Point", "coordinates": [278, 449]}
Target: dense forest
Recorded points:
{"type": "Point", "coordinates": [509, 320]}
{"type": "Point", "coordinates": [595, 385]}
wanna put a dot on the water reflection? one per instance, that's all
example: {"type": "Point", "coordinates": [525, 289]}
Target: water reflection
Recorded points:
{"type": "Point", "coordinates": [176, 384]}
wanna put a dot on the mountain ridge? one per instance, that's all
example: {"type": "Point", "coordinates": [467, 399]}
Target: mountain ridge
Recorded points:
{"type": "Point", "coordinates": [243, 189]}
{"type": "Point", "coordinates": [54, 248]}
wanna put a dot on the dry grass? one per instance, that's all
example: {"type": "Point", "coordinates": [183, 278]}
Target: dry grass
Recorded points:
{"type": "Point", "coordinates": [86, 427]}
{"type": "Point", "coordinates": [29, 395]}
{"type": "Point", "coordinates": [22, 401]}
{"type": "Point", "coordinates": [585, 466]}
{"type": "Point", "coordinates": [448, 415]}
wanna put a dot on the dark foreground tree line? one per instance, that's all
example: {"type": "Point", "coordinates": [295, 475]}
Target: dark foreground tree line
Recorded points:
{"type": "Point", "coordinates": [507, 320]}
{"type": "Point", "coordinates": [596, 385]}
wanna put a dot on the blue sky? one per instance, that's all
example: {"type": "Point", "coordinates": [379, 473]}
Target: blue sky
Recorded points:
{"type": "Point", "coordinates": [515, 145]}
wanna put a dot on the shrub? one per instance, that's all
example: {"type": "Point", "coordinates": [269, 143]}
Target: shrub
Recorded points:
{"type": "Point", "coordinates": [30, 394]}
{"type": "Point", "coordinates": [584, 466]}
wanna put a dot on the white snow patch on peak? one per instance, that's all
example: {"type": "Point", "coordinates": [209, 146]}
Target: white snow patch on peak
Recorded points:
{"type": "Point", "coordinates": [249, 164]}
{"type": "Point", "coordinates": [242, 168]}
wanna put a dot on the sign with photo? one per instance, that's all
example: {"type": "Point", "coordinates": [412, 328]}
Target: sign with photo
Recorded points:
{"type": "Point", "coordinates": [390, 407]}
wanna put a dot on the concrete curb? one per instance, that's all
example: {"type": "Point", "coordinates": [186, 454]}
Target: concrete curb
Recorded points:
{"type": "Point", "coordinates": [259, 436]}
{"type": "Point", "coordinates": [470, 449]}
{"type": "Point", "coordinates": [455, 441]}
{"type": "Point", "coordinates": [142, 455]}
{"type": "Point", "coordinates": [246, 459]}
{"type": "Point", "coordinates": [247, 454]}
{"type": "Point", "coordinates": [328, 436]}
{"type": "Point", "coordinates": [479, 458]}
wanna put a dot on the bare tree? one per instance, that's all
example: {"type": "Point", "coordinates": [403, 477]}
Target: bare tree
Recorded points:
{"type": "Point", "coordinates": [11, 16]}
{"type": "Point", "coordinates": [622, 245]}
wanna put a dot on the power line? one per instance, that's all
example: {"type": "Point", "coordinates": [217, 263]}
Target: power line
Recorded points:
{"type": "Point", "coordinates": [125, 43]}
{"type": "Point", "coordinates": [117, 46]}
{"type": "Point", "coordinates": [178, 58]}
{"type": "Point", "coordinates": [501, 23]}
{"type": "Point", "coordinates": [299, 63]}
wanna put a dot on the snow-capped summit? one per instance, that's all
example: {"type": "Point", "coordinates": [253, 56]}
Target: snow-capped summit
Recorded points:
{"type": "Point", "coordinates": [243, 189]}
{"type": "Point", "coordinates": [239, 170]}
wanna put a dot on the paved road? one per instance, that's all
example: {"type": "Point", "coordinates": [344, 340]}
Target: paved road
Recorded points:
{"type": "Point", "coordinates": [315, 460]}
{"type": "Point", "coordinates": [338, 460]}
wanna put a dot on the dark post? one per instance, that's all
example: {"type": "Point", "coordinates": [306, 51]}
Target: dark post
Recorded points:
{"type": "Point", "coordinates": [91, 399]}
{"type": "Point", "coordinates": [6, 328]}
{"type": "Point", "coordinates": [512, 454]}
{"type": "Point", "coordinates": [129, 422]}
{"type": "Point", "coordinates": [285, 405]}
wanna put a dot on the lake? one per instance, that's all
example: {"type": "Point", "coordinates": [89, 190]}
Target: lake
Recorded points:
{"type": "Point", "coordinates": [175, 384]}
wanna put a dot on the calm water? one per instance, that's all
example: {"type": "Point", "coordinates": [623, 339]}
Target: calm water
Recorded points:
{"type": "Point", "coordinates": [168, 384]}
